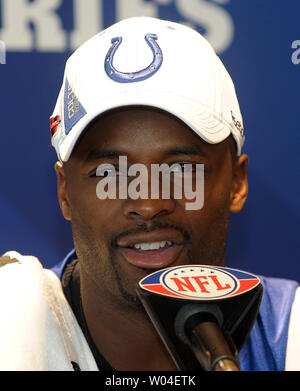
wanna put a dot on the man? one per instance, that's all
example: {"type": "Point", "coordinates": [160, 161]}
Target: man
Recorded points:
{"type": "Point", "coordinates": [152, 92]}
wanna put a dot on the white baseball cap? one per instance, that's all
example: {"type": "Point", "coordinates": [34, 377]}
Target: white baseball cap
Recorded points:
{"type": "Point", "coordinates": [150, 62]}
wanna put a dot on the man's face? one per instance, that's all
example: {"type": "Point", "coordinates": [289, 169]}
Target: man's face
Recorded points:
{"type": "Point", "coordinates": [119, 241]}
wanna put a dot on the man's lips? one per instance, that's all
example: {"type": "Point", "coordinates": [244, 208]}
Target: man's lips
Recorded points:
{"type": "Point", "coordinates": [152, 250]}
{"type": "Point", "coordinates": [159, 235]}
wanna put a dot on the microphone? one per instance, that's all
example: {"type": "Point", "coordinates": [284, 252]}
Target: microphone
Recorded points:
{"type": "Point", "coordinates": [202, 313]}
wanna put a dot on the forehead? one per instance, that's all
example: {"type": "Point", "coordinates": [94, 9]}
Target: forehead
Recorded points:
{"type": "Point", "coordinates": [138, 130]}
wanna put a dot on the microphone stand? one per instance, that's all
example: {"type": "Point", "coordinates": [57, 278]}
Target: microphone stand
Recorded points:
{"type": "Point", "coordinates": [211, 348]}
{"type": "Point", "coordinates": [202, 333]}
{"type": "Point", "coordinates": [199, 326]}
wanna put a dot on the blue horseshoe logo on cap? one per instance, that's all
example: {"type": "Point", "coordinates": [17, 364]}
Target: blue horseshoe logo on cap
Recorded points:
{"type": "Point", "coordinates": [131, 77]}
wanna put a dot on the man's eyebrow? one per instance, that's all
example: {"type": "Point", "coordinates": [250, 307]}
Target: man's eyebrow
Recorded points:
{"type": "Point", "coordinates": [97, 153]}
{"type": "Point", "coordinates": [100, 153]}
{"type": "Point", "coordinates": [186, 150]}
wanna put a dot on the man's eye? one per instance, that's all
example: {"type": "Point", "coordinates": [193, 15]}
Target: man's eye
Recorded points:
{"type": "Point", "coordinates": [182, 167]}
{"type": "Point", "coordinates": [107, 170]}
{"type": "Point", "coordinates": [103, 170]}
{"type": "Point", "coordinates": [92, 174]}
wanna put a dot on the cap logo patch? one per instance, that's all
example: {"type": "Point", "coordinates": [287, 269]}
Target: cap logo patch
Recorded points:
{"type": "Point", "coordinates": [73, 109]}
{"type": "Point", "coordinates": [54, 122]}
{"type": "Point", "coordinates": [132, 77]}
{"type": "Point", "coordinates": [238, 125]}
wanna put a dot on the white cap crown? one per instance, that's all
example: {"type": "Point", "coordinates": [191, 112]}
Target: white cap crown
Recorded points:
{"type": "Point", "coordinates": [150, 62]}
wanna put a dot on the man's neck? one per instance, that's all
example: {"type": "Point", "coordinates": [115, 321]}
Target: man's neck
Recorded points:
{"type": "Point", "coordinates": [123, 335]}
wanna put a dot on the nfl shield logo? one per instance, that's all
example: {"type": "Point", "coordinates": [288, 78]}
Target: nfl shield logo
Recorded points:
{"type": "Point", "coordinates": [199, 282]}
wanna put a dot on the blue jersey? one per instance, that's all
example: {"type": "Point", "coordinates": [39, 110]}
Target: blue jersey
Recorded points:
{"type": "Point", "coordinates": [265, 349]}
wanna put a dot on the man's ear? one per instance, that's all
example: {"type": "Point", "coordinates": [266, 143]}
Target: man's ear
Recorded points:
{"type": "Point", "coordinates": [239, 192]}
{"type": "Point", "coordinates": [62, 191]}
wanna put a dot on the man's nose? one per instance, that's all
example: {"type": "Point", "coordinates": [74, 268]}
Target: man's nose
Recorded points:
{"type": "Point", "coordinates": [147, 209]}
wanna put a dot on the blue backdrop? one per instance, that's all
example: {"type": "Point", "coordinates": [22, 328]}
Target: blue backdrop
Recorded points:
{"type": "Point", "coordinates": [259, 43]}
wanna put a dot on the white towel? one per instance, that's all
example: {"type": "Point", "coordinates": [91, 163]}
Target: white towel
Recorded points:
{"type": "Point", "coordinates": [38, 330]}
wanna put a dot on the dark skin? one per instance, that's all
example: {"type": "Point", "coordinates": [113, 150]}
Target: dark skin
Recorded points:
{"type": "Point", "coordinates": [118, 324]}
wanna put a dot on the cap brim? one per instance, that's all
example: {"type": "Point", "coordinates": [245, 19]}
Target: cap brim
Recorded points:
{"type": "Point", "coordinates": [211, 129]}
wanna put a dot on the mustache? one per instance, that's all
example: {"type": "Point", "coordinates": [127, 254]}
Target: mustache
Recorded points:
{"type": "Point", "coordinates": [153, 226]}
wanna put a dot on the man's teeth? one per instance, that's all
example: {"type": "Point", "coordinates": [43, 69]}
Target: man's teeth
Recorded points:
{"type": "Point", "coordinates": [152, 246]}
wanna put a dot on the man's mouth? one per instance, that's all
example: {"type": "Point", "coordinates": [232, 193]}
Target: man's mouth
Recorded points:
{"type": "Point", "coordinates": [151, 246]}
{"type": "Point", "coordinates": [152, 250]}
